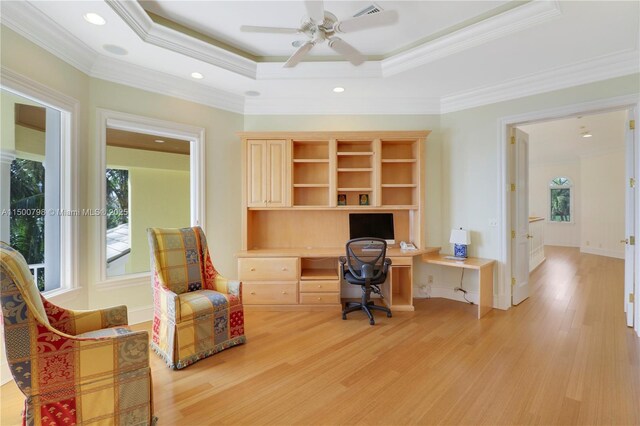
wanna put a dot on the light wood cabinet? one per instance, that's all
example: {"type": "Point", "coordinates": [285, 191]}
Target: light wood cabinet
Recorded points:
{"type": "Point", "coordinates": [267, 184]}
{"type": "Point", "coordinates": [292, 183]}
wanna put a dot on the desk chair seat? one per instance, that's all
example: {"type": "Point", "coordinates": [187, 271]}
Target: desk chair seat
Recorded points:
{"type": "Point", "coordinates": [365, 265]}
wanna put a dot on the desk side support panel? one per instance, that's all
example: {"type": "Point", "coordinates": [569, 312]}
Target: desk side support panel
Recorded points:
{"type": "Point", "coordinates": [485, 276]}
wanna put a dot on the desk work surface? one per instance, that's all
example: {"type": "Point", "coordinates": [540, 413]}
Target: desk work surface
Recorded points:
{"type": "Point", "coordinates": [328, 252]}
{"type": "Point", "coordinates": [469, 263]}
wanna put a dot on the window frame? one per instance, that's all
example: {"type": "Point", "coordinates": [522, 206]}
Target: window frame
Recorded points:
{"type": "Point", "coordinates": [161, 128]}
{"type": "Point", "coordinates": [69, 109]}
{"type": "Point", "coordinates": [568, 185]}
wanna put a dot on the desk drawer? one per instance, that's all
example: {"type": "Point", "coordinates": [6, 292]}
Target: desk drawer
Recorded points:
{"type": "Point", "coordinates": [319, 286]}
{"type": "Point", "coordinates": [319, 298]}
{"type": "Point", "coordinates": [269, 294]}
{"type": "Point", "coordinates": [402, 261]}
{"type": "Point", "coordinates": [268, 269]}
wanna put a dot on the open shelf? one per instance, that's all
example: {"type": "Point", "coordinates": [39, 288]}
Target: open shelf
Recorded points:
{"type": "Point", "coordinates": [399, 185]}
{"type": "Point", "coordinates": [310, 185]}
{"type": "Point", "coordinates": [354, 189]}
{"type": "Point", "coordinates": [399, 160]}
{"type": "Point", "coordinates": [310, 150]}
{"type": "Point", "coordinates": [311, 195]}
{"type": "Point", "coordinates": [319, 274]}
{"type": "Point", "coordinates": [354, 169]}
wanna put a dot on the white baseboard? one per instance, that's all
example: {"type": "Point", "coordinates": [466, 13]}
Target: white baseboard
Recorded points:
{"type": "Point", "coordinates": [602, 252]}
{"type": "Point", "coordinates": [141, 314]}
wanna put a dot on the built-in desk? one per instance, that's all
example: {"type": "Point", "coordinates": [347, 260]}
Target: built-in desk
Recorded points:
{"type": "Point", "coordinates": [309, 278]}
{"type": "Point", "coordinates": [485, 276]}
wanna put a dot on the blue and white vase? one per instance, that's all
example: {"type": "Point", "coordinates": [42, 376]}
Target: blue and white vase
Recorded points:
{"type": "Point", "coordinates": [460, 250]}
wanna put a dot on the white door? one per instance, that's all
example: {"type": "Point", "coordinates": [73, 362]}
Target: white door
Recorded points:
{"type": "Point", "coordinates": [520, 217]}
{"type": "Point", "coordinates": [630, 214]}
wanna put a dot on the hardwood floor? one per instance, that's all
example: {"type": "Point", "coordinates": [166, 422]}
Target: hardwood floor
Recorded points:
{"type": "Point", "coordinates": [564, 356]}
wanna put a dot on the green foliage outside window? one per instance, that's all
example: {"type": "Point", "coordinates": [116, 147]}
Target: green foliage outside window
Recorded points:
{"type": "Point", "coordinates": [27, 195]}
{"type": "Point", "coordinates": [117, 197]}
{"type": "Point", "coordinates": [560, 200]}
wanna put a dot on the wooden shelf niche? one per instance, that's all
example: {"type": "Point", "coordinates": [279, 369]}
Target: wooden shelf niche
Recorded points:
{"type": "Point", "coordinates": [355, 170]}
{"type": "Point", "coordinates": [400, 175]}
{"type": "Point", "coordinates": [311, 165]}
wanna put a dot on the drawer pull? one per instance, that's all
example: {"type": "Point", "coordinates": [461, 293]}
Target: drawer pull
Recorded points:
{"type": "Point", "coordinates": [319, 298]}
{"type": "Point", "coordinates": [319, 285]}
{"type": "Point", "coordinates": [284, 268]}
{"type": "Point", "coordinates": [252, 269]}
{"type": "Point", "coordinates": [253, 292]}
{"type": "Point", "coordinates": [284, 292]}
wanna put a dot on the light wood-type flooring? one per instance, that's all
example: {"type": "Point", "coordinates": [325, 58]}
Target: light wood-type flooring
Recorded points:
{"type": "Point", "coordinates": [564, 356]}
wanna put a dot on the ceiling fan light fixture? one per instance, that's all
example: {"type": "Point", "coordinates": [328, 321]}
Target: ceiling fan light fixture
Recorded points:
{"type": "Point", "coordinates": [94, 18]}
{"type": "Point", "coordinates": [338, 89]}
{"type": "Point", "coordinates": [197, 75]}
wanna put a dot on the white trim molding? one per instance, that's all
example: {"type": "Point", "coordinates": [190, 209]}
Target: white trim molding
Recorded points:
{"type": "Point", "coordinates": [135, 123]}
{"type": "Point", "coordinates": [70, 112]}
{"type": "Point", "coordinates": [137, 19]}
{"type": "Point", "coordinates": [504, 190]}
{"type": "Point", "coordinates": [329, 106]}
{"type": "Point", "coordinates": [512, 21]}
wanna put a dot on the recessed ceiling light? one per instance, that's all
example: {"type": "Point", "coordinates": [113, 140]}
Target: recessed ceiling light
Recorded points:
{"type": "Point", "coordinates": [116, 50]}
{"type": "Point", "coordinates": [158, 141]}
{"type": "Point", "coordinates": [587, 135]}
{"type": "Point", "coordinates": [94, 18]}
{"type": "Point", "coordinates": [252, 93]}
{"type": "Point", "coordinates": [338, 89]}
{"type": "Point", "coordinates": [197, 75]}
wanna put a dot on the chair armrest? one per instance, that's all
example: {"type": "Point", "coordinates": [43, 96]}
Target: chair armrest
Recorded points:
{"type": "Point", "coordinates": [167, 301]}
{"type": "Point", "coordinates": [74, 322]}
{"type": "Point", "coordinates": [385, 265]}
{"type": "Point", "coordinates": [225, 285]}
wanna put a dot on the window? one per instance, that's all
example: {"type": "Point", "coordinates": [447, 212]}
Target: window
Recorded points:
{"type": "Point", "coordinates": [561, 203]}
{"type": "Point", "coordinates": [38, 201]}
{"type": "Point", "coordinates": [152, 178]}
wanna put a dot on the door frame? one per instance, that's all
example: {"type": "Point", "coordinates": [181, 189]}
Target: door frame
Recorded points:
{"type": "Point", "coordinates": [504, 183]}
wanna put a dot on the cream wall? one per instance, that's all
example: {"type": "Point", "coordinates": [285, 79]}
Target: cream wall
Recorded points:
{"type": "Point", "coordinates": [603, 204]}
{"type": "Point", "coordinates": [159, 196]}
{"type": "Point", "coordinates": [556, 234]}
{"type": "Point", "coordinates": [159, 199]}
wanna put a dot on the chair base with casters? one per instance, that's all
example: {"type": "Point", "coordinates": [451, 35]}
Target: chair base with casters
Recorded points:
{"type": "Point", "coordinates": [365, 305]}
{"type": "Point", "coordinates": [365, 265]}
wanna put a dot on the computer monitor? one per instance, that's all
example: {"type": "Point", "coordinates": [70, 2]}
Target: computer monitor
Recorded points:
{"type": "Point", "coordinates": [375, 225]}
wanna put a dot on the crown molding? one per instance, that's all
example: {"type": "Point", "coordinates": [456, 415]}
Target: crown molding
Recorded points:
{"type": "Point", "coordinates": [512, 21]}
{"type": "Point", "coordinates": [346, 106]}
{"type": "Point", "coordinates": [31, 23]}
{"type": "Point", "coordinates": [605, 67]}
{"type": "Point", "coordinates": [318, 70]}
{"type": "Point", "coordinates": [150, 80]}
{"type": "Point", "coordinates": [137, 19]}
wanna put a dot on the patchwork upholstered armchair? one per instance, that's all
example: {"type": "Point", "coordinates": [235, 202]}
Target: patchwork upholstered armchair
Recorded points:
{"type": "Point", "coordinates": [74, 367]}
{"type": "Point", "coordinates": [197, 312]}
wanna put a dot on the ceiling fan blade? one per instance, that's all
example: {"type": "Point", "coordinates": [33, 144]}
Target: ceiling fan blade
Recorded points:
{"type": "Point", "coordinates": [386, 17]}
{"type": "Point", "coordinates": [275, 30]}
{"type": "Point", "coordinates": [299, 54]}
{"type": "Point", "coordinates": [346, 50]}
{"type": "Point", "coordinates": [315, 10]}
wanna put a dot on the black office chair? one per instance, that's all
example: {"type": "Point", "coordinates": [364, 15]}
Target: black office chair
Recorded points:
{"type": "Point", "coordinates": [365, 265]}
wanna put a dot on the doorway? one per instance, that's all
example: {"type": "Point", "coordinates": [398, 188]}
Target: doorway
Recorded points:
{"type": "Point", "coordinates": [560, 208]}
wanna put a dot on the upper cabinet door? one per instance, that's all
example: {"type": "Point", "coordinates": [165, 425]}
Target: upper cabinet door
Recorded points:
{"type": "Point", "coordinates": [277, 173]}
{"type": "Point", "coordinates": [256, 173]}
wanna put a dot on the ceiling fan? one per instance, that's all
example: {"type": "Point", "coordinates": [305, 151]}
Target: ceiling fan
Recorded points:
{"type": "Point", "coordinates": [321, 26]}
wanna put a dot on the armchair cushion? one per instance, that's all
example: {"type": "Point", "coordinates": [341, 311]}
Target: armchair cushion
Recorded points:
{"type": "Point", "coordinates": [105, 332]}
{"type": "Point", "coordinates": [204, 302]}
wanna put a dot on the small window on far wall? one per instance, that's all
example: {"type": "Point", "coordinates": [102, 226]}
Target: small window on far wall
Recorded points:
{"type": "Point", "coordinates": [561, 202]}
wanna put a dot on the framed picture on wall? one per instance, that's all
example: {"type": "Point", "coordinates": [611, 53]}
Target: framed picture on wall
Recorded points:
{"type": "Point", "coordinates": [342, 199]}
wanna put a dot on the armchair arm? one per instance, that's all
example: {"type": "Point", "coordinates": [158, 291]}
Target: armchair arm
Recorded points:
{"type": "Point", "coordinates": [167, 301]}
{"type": "Point", "coordinates": [74, 322]}
{"type": "Point", "coordinates": [225, 285]}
